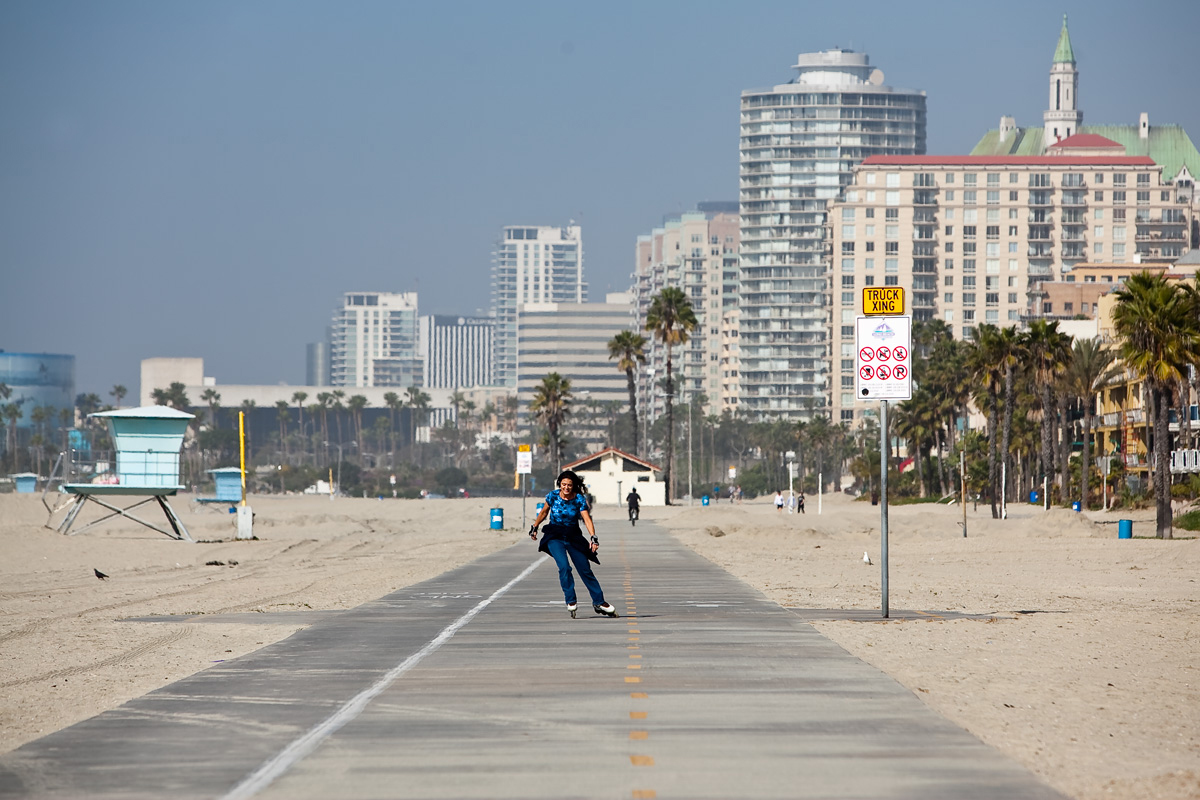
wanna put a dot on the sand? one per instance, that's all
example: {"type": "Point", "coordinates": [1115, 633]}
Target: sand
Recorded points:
{"type": "Point", "coordinates": [1082, 664]}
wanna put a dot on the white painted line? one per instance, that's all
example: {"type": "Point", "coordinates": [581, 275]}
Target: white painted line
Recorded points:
{"type": "Point", "coordinates": [303, 747]}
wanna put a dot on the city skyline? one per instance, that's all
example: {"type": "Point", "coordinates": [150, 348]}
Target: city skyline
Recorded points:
{"type": "Point", "coordinates": [229, 170]}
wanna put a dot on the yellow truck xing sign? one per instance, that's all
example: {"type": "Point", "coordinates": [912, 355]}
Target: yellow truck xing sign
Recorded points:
{"type": "Point", "coordinates": [882, 300]}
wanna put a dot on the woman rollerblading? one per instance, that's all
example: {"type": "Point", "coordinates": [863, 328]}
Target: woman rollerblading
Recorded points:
{"type": "Point", "coordinates": [563, 541]}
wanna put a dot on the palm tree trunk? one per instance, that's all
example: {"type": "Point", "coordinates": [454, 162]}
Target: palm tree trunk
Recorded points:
{"type": "Point", "coordinates": [1047, 433]}
{"type": "Point", "coordinates": [1086, 467]}
{"type": "Point", "coordinates": [993, 447]}
{"type": "Point", "coordinates": [633, 417]}
{"type": "Point", "coordinates": [1162, 470]}
{"type": "Point", "coordinates": [1006, 439]}
{"type": "Point", "coordinates": [670, 426]}
{"type": "Point", "coordinates": [1064, 448]}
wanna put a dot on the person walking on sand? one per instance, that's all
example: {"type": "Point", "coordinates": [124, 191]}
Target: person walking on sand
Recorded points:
{"type": "Point", "coordinates": [563, 541]}
{"type": "Point", "coordinates": [800, 500]}
{"type": "Point", "coordinates": [779, 501]}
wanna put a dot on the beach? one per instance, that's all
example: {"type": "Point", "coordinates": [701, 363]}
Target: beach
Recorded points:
{"type": "Point", "coordinates": [1044, 635]}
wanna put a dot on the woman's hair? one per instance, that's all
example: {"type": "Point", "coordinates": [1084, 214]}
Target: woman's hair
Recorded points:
{"type": "Point", "coordinates": [566, 473]}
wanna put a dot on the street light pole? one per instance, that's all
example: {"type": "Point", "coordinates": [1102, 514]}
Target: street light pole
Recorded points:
{"type": "Point", "coordinates": [690, 498]}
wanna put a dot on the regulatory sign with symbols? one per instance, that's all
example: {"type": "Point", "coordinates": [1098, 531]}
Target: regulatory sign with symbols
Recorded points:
{"type": "Point", "coordinates": [524, 460]}
{"type": "Point", "coordinates": [884, 363]}
{"type": "Point", "coordinates": [887, 300]}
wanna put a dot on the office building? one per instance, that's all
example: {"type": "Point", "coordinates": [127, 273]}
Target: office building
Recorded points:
{"type": "Point", "coordinates": [531, 264]}
{"type": "Point", "coordinates": [373, 341]}
{"type": "Point", "coordinates": [457, 351]}
{"type": "Point", "coordinates": [973, 238]}
{"type": "Point", "coordinates": [800, 142]}
{"type": "Point", "coordinates": [572, 340]}
{"type": "Point", "coordinates": [698, 253]}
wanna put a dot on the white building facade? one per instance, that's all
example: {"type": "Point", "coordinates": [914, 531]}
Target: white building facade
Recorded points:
{"type": "Point", "coordinates": [373, 340]}
{"type": "Point", "coordinates": [800, 142]}
{"type": "Point", "coordinates": [531, 264]}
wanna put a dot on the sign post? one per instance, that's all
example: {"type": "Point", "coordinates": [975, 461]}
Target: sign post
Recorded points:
{"type": "Point", "coordinates": [524, 467]}
{"type": "Point", "coordinates": [884, 372]}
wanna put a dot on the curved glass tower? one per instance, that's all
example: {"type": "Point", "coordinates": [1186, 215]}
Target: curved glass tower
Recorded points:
{"type": "Point", "coordinates": [800, 142]}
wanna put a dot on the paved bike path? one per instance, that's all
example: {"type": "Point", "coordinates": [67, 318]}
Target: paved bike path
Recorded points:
{"type": "Point", "coordinates": [703, 689]}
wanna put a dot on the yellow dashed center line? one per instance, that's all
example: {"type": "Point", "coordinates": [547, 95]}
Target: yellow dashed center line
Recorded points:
{"type": "Point", "coordinates": [644, 794]}
{"type": "Point", "coordinates": [642, 761]}
{"type": "Point", "coordinates": [639, 734]}
{"type": "Point", "coordinates": [635, 735]}
{"type": "Point", "coordinates": [638, 714]}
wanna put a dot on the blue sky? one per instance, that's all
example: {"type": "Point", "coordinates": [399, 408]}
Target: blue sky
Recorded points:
{"type": "Point", "coordinates": [206, 178]}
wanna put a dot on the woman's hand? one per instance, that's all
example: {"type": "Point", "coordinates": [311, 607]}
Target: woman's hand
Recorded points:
{"type": "Point", "coordinates": [533, 531]}
{"type": "Point", "coordinates": [595, 544]}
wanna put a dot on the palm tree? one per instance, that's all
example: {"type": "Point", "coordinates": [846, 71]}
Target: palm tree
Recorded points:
{"type": "Point", "coordinates": [247, 407]}
{"type": "Point", "coordinates": [336, 397]}
{"type": "Point", "coordinates": [670, 318]}
{"type": "Point", "coordinates": [629, 349]}
{"type": "Point", "coordinates": [213, 398]}
{"type": "Point", "coordinates": [551, 406]}
{"type": "Point", "coordinates": [1157, 326]}
{"type": "Point", "coordinates": [282, 407]}
{"type": "Point", "coordinates": [1089, 369]}
{"type": "Point", "coordinates": [456, 400]}
{"type": "Point", "coordinates": [986, 363]}
{"type": "Point", "coordinates": [12, 413]}
{"type": "Point", "coordinates": [298, 398]}
{"type": "Point", "coordinates": [394, 404]}
{"type": "Point", "coordinates": [356, 404]}
{"type": "Point", "coordinates": [418, 403]}
{"type": "Point", "coordinates": [118, 392]}
{"type": "Point", "coordinates": [1048, 349]}
{"type": "Point", "coordinates": [1010, 350]}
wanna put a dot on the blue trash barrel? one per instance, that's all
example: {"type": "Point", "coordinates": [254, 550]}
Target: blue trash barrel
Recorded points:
{"type": "Point", "coordinates": [1124, 529]}
{"type": "Point", "coordinates": [1033, 497]}
{"type": "Point", "coordinates": [1075, 506]}
{"type": "Point", "coordinates": [539, 507]}
{"type": "Point", "coordinates": [497, 519]}
{"type": "Point", "coordinates": [704, 500]}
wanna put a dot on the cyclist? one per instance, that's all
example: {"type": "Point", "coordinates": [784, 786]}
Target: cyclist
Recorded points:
{"type": "Point", "coordinates": [634, 500]}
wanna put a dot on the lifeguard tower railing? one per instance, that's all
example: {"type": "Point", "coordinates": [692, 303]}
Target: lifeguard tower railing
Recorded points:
{"type": "Point", "coordinates": [144, 463]}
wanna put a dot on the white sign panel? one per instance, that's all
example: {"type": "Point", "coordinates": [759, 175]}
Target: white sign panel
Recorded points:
{"type": "Point", "coordinates": [524, 463]}
{"type": "Point", "coordinates": [883, 362]}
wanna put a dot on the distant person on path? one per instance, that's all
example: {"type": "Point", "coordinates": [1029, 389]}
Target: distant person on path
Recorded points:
{"type": "Point", "coordinates": [634, 501]}
{"type": "Point", "coordinates": [800, 500]}
{"type": "Point", "coordinates": [563, 541]}
{"type": "Point", "coordinates": [779, 502]}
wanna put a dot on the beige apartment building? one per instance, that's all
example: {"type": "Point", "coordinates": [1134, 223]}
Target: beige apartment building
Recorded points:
{"type": "Point", "coordinates": [698, 253]}
{"type": "Point", "coordinates": [972, 238]}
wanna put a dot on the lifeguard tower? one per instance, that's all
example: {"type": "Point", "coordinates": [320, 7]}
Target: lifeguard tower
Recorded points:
{"type": "Point", "coordinates": [228, 482]}
{"type": "Point", "coordinates": [146, 444]}
{"type": "Point", "coordinates": [25, 482]}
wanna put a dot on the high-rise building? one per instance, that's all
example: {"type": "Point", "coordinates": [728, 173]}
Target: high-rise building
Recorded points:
{"type": "Point", "coordinates": [457, 350]}
{"type": "Point", "coordinates": [572, 340]}
{"type": "Point", "coordinates": [698, 253]}
{"type": "Point", "coordinates": [316, 362]}
{"type": "Point", "coordinates": [373, 340]}
{"type": "Point", "coordinates": [531, 264]}
{"type": "Point", "coordinates": [800, 142]}
{"type": "Point", "coordinates": [972, 239]}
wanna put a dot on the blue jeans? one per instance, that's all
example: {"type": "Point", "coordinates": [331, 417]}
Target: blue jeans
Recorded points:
{"type": "Point", "coordinates": [558, 551]}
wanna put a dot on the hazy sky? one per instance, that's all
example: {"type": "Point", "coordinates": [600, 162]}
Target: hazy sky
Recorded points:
{"type": "Point", "coordinates": [206, 178]}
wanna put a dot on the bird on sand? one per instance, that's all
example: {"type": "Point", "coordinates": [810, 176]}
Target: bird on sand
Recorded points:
{"type": "Point", "coordinates": [866, 557]}
{"type": "Point", "coordinates": [99, 574]}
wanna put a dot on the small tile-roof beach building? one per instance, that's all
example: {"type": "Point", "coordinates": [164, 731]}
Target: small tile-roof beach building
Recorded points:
{"type": "Point", "coordinates": [611, 473]}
